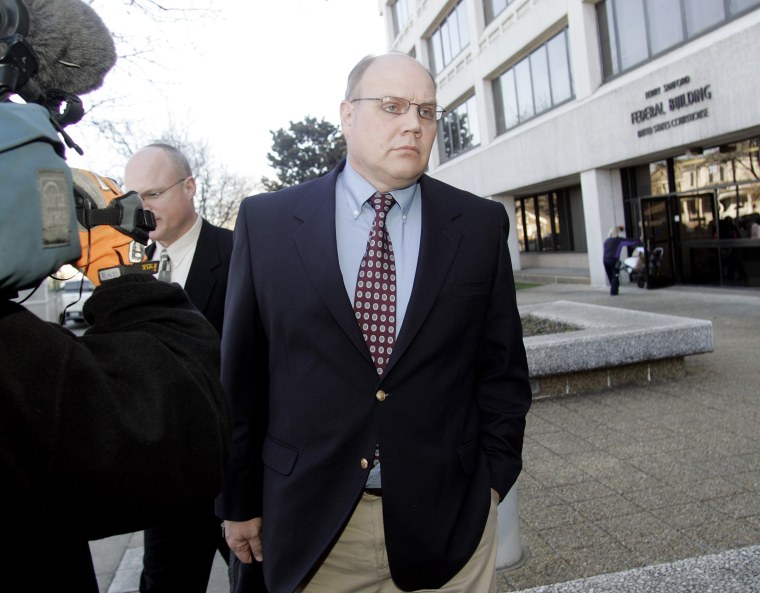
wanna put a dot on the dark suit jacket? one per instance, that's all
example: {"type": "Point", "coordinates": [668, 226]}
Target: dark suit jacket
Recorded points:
{"type": "Point", "coordinates": [303, 386]}
{"type": "Point", "coordinates": [206, 283]}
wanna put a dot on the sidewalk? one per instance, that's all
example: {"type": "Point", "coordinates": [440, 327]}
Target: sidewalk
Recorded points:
{"type": "Point", "coordinates": [118, 563]}
{"type": "Point", "coordinates": [643, 476]}
{"type": "Point", "coordinates": [661, 481]}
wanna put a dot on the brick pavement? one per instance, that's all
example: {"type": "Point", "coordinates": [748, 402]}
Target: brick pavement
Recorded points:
{"type": "Point", "coordinates": [634, 477]}
{"type": "Point", "coordinates": [646, 475]}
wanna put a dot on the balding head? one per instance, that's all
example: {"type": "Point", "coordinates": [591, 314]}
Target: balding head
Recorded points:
{"type": "Point", "coordinates": [161, 175]}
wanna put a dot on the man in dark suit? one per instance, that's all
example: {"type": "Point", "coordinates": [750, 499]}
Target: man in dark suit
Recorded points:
{"type": "Point", "coordinates": [196, 255]}
{"type": "Point", "coordinates": [362, 462]}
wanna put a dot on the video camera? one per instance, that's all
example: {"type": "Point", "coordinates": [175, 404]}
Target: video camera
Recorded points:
{"type": "Point", "coordinates": [51, 51]}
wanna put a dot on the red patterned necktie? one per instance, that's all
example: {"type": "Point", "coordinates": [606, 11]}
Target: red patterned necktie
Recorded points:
{"type": "Point", "coordinates": [375, 299]}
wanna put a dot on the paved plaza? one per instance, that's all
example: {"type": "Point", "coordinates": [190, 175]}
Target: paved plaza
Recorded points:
{"type": "Point", "coordinates": [638, 489]}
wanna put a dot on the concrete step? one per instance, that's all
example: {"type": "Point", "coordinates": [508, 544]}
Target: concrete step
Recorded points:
{"type": "Point", "coordinates": [553, 275]}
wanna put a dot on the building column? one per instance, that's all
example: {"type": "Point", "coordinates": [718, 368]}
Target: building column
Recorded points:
{"type": "Point", "coordinates": [514, 246]}
{"type": "Point", "coordinates": [584, 47]}
{"type": "Point", "coordinates": [602, 209]}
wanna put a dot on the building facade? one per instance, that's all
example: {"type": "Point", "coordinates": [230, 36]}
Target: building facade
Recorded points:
{"type": "Point", "coordinates": [582, 115]}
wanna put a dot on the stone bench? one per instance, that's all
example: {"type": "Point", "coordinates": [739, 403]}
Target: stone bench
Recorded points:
{"type": "Point", "coordinates": [615, 347]}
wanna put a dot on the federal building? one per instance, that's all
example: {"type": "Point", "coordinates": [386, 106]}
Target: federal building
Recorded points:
{"type": "Point", "coordinates": [582, 115]}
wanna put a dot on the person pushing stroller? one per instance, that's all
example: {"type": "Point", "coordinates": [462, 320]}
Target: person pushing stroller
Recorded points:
{"type": "Point", "coordinates": [613, 246]}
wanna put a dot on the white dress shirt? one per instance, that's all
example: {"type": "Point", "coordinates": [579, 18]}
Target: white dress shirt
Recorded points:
{"type": "Point", "coordinates": [181, 252]}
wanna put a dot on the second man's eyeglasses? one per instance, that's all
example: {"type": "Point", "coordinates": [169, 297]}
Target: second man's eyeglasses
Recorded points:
{"type": "Point", "coordinates": [155, 194]}
{"type": "Point", "coordinates": [399, 106]}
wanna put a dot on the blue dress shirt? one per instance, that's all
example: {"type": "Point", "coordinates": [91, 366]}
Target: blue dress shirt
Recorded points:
{"type": "Point", "coordinates": [354, 216]}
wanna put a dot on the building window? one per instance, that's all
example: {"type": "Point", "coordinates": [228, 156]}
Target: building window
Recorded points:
{"type": "Point", "coordinates": [534, 85]}
{"type": "Point", "coordinates": [458, 130]}
{"type": "Point", "coordinates": [707, 169]}
{"type": "Point", "coordinates": [704, 208]}
{"type": "Point", "coordinates": [494, 8]}
{"type": "Point", "coordinates": [401, 16]}
{"type": "Point", "coordinates": [545, 221]}
{"type": "Point", "coordinates": [450, 38]}
{"type": "Point", "coordinates": [634, 31]}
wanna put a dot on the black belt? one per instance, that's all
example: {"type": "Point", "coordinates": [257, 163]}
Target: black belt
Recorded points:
{"type": "Point", "coordinates": [374, 491]}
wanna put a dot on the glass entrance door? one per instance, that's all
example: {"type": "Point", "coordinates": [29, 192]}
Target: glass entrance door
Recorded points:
{"type": "Point", "coordinates": [655, 219]}
{"type": "Point", "coordinates": [702, 208]}
{"type": "Point", "coordinates": [694, 240]}
{"type": "Point", "coordinates": [696, 229]}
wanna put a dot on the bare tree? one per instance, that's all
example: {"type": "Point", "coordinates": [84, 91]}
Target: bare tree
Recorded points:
{"type": "Point", "coordinates": [218, 191]}
{"type": "Point", "coordinates": [134, 34]}
{"type": "Point", "coordinates": [138, 24]}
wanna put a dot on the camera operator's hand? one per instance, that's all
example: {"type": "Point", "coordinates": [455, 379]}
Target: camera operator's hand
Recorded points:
{"type": "Point", "coordinates": [113, 228]}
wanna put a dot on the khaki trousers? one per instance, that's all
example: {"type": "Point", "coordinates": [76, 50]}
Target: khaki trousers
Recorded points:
{"type": "Point", "coordinates": [358, 562]}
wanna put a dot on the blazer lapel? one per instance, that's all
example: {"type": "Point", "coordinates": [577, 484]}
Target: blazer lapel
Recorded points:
{"type": "Point", "coordinates": [317, 246]}
{"type": "Point", "coordinates": [200, 278]}
{"type": "Point", "coordinates": [438, 245]}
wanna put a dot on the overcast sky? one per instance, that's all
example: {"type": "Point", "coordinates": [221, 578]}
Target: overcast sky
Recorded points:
{"type": "Point", "coordinates": [231, 77]}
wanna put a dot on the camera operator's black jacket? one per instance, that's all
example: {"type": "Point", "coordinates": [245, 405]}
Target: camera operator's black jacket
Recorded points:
{"type": "Point", "coordinates": [105, 433]}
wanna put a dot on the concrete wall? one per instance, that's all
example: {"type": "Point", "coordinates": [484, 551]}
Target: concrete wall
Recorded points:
{"type": "Point", "coordinates": [605, 126]}
{"type": "Point", "coordinates": [597, 132]}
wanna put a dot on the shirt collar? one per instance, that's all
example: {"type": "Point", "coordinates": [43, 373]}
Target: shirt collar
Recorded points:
{"type": "Point", "coordinates": [180, 248]}
{"type": "Point", "coordinates": [359, 190]}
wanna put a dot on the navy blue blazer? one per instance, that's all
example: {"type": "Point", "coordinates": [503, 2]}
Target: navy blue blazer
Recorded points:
{"type": "Point", "coordinates": [304, 391]}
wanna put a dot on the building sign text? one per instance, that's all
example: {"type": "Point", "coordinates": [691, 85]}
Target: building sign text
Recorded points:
{"type": "Point", "coordinates": [663, 107]}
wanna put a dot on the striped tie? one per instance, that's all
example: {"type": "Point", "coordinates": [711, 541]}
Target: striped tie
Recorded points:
{"type": "Point", "coordinates": [165, 267]}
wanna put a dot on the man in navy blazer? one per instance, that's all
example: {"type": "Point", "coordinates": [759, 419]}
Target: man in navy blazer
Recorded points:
{"type": "Point", "coordinates": [311, 406]}
{"type": "Point", "coordinates": [179, 553]}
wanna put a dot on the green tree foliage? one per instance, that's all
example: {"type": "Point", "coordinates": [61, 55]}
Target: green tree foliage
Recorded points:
{"type": "Point", "coordinates": [307, 149]}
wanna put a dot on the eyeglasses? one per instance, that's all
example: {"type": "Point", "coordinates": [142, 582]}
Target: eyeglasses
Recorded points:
{"type": "Point", "coordinates": [399, 106]}
{"type": "Point", "coordinates": [156, 194]}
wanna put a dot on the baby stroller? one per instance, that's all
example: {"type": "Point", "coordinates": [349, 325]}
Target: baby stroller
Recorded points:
{"type": "Point", "coordinates": [636, 266]}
